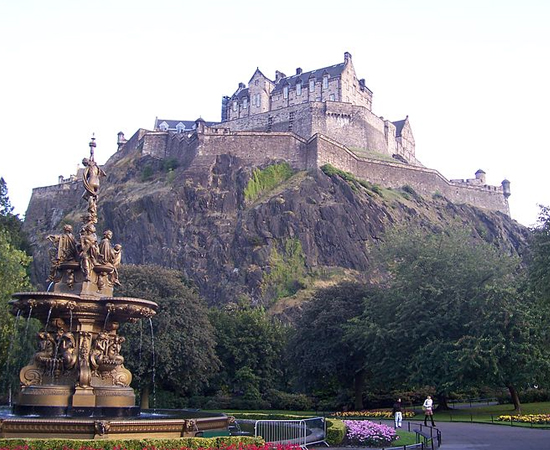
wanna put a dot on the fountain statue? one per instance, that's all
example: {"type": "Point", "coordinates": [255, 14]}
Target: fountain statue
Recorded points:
{"type": "Point", "coordinates": [78, 371]}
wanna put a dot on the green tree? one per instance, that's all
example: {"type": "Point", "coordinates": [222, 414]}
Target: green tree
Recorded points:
{"type": "Point", "coordinates": [14, 266]}
{"type": "Point", "coordinates": [184, 357]}
{"type": "Point", "coordinates": [250, 346]}
{"type": "Point", "coordinates": [11, 222]}
{"type": "Point", "coordinates": [539, 262]}
{"type": "Point", "coordinates": [325, 360]}
{"type": "Point", "coordinates": [444, 300]}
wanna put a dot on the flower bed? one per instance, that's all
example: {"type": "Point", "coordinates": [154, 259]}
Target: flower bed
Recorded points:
{"type": "Point", "coordinates": [373, 413]}
{"type": "Point", "coordinates": [365, 432]}
{"type": "Point", "coordinates": [526, 418]}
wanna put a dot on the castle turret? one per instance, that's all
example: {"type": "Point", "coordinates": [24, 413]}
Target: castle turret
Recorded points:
{"type": "Point", "coordinates": [121, 140]}
{"type": "Point", "coordinates": [506, 188]}
{"type": "Point", "coordinates": [225, 103]}
{"type": "Point", "coordinates": [480, 176]}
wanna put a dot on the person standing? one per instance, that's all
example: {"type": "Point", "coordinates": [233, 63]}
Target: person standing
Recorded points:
{"type": "Point", "coordinates": [428, 410]}
{"type": "Point", "coordinates": [398, 413]}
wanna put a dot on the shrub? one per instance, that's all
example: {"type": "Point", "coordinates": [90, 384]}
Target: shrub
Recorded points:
{"type": "Point", "coordinates": [365, 432]}
{"type": "Point", "coordinates": [288, 401]}
{"type": "Point", "coordinates": [216, 443]}
{"type": "Point", "coordinates": [336, 432]}
{"type": "Point", "coordinates": [147, 173]}
{"type": "Point", "coordinates": [264, 180]}
{"type": "Point", "coordinates": [288, 271]}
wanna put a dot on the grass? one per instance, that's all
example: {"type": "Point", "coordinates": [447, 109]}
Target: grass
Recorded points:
{"type": "Point", "coordinates": [490, 413]}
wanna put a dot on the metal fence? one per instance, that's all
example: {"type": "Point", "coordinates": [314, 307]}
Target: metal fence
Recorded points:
{"type": "Point", "coordinates": [298, 432]}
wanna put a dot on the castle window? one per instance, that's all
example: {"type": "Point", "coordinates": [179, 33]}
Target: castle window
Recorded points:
{"type": "Point", "coordinates": [163, 126]}
{"type": "Point", "coordinates": [180, 127]}
{"type": "Point", "coordinates": [245, 103]}
{"type": "Point", "coordinates": [312, 85]}
{"type": "Point", "coordinates": [285, 92]}
{"type": "Point", "coordinates": [257, 100]}
{"type": "Point", "coordinates": [235, 106]}
{"type": "Point", "coordinates": [299, 88]}
{"type": "Point", "coordinates": [331, 97]}
{"type": "Point", "coordinates": [325, 82]}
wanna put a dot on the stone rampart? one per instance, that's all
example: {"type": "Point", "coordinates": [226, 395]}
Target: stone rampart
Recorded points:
{"type": "Point", "coordinates": [255, 148]}
{"type": "Point", "coordinates": [426, 182]}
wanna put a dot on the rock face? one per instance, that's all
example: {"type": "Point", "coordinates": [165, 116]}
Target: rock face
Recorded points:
{"type": "Point", "coordinates": [196, 218]}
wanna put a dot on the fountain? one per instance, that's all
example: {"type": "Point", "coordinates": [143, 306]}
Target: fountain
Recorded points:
{"type": "Point", "coordinates": [76, 384]}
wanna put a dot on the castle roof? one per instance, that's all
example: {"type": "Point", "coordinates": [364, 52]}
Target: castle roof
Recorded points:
{"type": "Point", "coordinates": [173, 124]}
{"type": "Point", "coordinates": [303, 77]}
{"type": "Point", "coordinates": [399, 124]}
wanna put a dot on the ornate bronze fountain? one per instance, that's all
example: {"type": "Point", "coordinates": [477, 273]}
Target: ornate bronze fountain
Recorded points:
{"type": "Point", "coordinates": [78, 370]}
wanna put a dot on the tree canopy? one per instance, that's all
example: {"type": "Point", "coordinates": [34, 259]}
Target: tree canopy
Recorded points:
{"type": "Point", "coordinates": [184, 357]}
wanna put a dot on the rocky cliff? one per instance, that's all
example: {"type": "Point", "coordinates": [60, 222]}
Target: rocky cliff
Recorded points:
{"type": "Point", "coordinates": [197, 218]}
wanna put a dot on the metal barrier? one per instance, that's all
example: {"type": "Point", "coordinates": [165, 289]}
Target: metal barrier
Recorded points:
{"type": "Point", "coordinates": [298, 432]}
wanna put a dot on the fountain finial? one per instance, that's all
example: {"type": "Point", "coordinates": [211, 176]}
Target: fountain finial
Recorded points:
{"type": "Point", "coordinates": [92, 145]}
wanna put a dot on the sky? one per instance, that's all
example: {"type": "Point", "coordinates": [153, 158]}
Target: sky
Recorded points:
{"type": "Point", "coordinates": [472, 75]}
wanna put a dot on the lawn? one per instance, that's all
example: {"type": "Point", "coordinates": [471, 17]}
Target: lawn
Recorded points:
{"type": "Point", "coordinates": [490, 413]}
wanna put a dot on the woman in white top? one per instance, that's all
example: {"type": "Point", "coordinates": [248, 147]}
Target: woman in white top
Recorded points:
{"type": "Point", "coordinates": [428, 410]}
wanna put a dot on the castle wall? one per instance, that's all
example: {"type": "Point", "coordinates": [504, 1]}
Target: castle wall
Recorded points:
{"type": "Point", "coordinates": [255, 148]}
{"type": "Point", "coordinates": [426, 182]}
{"type": "Point", "coordinates": [155, 143]}
{"type": "Point", "coordinates": [353, 126]}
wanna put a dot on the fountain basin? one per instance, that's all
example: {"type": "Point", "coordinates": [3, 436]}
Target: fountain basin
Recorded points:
{"type": "Point", "coordinates": [160, 424]}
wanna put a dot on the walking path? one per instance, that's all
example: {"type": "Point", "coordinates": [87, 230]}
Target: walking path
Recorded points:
{"type": "Point", "coordinates": [474, 436]}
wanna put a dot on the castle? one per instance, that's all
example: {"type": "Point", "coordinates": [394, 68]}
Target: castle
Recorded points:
{"type": "Point", "coordinates": [310, 119]}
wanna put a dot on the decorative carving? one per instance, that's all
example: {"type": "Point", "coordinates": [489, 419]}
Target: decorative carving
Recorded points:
{"type": "Point", "coordinates": [88, 250]}
{"type": "Point", "coordinates": [63, 249]}
{"type": "Point", "coordinates": [110, 256]}
{"type": "Point", "coordinates": [68, 351]}
{"type": "Point", "coordinates": [85, 374]}
{"type": "Point", "coordinates": [30, 376]}
{"type": "Point", "coordinates": [102, 427]}
{"type": "Point", "coordinates": [105, 357]}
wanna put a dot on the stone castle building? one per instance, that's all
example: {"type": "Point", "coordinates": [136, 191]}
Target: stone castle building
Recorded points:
{"type": "Point", "coordinates": [310, 119]}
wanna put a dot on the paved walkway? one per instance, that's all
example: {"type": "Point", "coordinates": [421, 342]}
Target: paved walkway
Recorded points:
{"type": "Point", "coordinates": [474, 436]}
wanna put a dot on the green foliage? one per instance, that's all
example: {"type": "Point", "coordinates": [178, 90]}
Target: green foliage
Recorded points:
{"type": "Point", "coordinates": [10, 222]}
{"type": "Point", "coordinates": [170, 164]}
{"type": "Point", "coordinates": [264, 180]}
{"type": "Point", "coordinates": [336, 432]}
{"type": "Point", "coordinates": [289, 401]}
{"type": "Point", "coordinates": [322, 359]}
{"type": "Point", "coordinates": [451, 314]}
{"type": "Point", "coordinates": [407, 189]}
{"type": "Point", "coordinates": [147, 173]}
{"type": "Point", "coordinates": [287, 270]}
{"type": "Point", "coordinates": [371, 188]}
{"type": "Point", "coordinates": [184, 340]}
{"type": "Point", "coordinates": [130, 444]}
{"type": "Point", "coordinates": [539, 264]}
{"type": "Point", "coordinates": [250, 346]}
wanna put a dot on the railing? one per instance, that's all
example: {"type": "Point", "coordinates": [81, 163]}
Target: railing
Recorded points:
{"type": "Point", "coordinates": [298, 432]}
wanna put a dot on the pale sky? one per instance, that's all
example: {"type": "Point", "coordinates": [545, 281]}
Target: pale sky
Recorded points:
{"type": "Point", "coordinates": [473, 76]}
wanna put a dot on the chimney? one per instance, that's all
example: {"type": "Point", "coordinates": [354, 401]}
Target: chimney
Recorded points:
{"type": "Point", "coordinates": [298, 71]}
{"type": "Point", "coordinates": [347, 57]}
{"type": "Point", "coordinates": [241, 86]}
{"type": "Point", "coordinates": [279, 76]}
